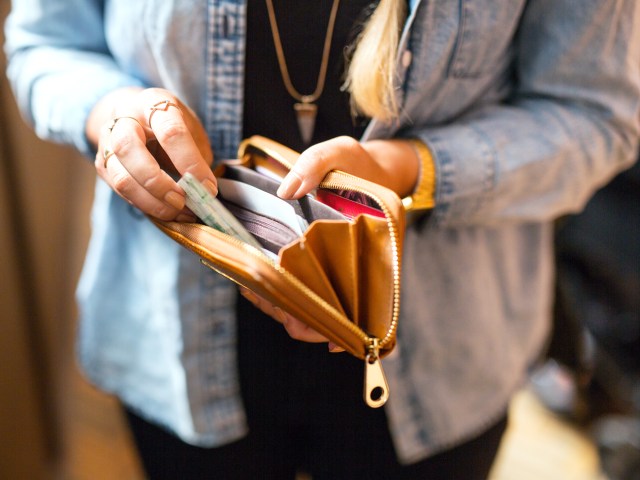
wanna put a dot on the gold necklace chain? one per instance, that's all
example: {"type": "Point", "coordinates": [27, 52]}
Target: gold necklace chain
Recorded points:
{"type": "Point", "coordinates": [284, 71]}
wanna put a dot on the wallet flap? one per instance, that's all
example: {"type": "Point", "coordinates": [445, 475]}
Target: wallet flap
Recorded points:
{"type": "Point", "coordinates": [340, 265]}
{"type": "Point", "coordinates": [308, 266]}
{"type": "Point", "coordinates": [360, 271]}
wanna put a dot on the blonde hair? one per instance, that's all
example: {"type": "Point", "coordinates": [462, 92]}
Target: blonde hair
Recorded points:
{"type": "Point", "coordinates": [372, 69]}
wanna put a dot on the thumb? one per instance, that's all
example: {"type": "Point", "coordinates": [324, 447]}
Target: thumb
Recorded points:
{"type": "Point", "coordinates": [306, 174]}
{"type": "Point", "coordinates": [311, 167]}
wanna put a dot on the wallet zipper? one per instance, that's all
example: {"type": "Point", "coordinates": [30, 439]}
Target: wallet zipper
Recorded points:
{"type": "Point", "coordinates": [393, 232]}
{"type": "Point", "coordinates": [376, 389]}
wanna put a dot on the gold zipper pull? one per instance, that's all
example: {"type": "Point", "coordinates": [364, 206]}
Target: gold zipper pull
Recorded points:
{"type": "Point", "coordinates": [376, 390]}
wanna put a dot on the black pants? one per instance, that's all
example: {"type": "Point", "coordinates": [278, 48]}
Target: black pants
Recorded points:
{"type": "Point", "coordinates": [306, 413]}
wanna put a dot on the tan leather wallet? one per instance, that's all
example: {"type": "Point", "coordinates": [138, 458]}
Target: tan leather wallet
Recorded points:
{"type": "Point", "coordinates": [341, 275]}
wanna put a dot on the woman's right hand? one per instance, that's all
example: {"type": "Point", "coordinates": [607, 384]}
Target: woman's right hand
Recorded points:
{"type": "Point", "coordinates": [143, 138]}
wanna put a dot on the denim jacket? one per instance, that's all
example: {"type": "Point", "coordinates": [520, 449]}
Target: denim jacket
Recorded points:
{"type": "Point", "coordinates": [527, 106]}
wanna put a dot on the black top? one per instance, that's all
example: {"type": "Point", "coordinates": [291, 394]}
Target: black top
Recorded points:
{"type": "Point", "coordinates": [268, 108]}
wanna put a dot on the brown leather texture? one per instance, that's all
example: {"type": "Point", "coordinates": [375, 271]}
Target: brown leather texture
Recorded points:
{"type": "Point", "coordinates": [341, 277]}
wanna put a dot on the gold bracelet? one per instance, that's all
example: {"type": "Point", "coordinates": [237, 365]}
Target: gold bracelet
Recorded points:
{"type": "Point", "coordinates": [423, 196]}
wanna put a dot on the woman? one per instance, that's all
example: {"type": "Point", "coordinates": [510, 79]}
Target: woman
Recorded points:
{"type": "Point", "coordinates": [520, 109]}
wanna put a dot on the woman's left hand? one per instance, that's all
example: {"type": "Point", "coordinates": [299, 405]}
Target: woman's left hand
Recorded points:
{"type": "Point", "coordinates": [392, 163]}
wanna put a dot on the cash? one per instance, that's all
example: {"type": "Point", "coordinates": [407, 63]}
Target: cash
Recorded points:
{"type": "Point", "coordinates": [212, 212]}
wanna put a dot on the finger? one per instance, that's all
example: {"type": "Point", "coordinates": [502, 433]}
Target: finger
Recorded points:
{"type": "Point", "coordinates": [314, 164]}
{"type": "Point", "coordinates": [127, 140]}
{"type": "Point", "coordinates": [334, 348]}
{"type": "Point", "coordinates": [301, 331]}
{"type": "Point", "coordinates": [104, 154]}
{"type": "Point", "coordinates": [121, 181]}
{"type": "Point", "coordinates": [167, 121]}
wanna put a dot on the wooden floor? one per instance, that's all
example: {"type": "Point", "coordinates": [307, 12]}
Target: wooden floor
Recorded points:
{"type": "Point", "coordinates": [538, 446]}
{"type": "Point", "coordinates": [96, 442]}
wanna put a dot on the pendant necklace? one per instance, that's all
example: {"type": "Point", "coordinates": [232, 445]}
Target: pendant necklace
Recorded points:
{"type": "Point", "coordinates": [305, 107]}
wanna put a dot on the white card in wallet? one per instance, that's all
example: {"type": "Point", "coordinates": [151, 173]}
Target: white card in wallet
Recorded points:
{"type": "Point", "coordinates": [209, 209]}
{"type": "Point", "coordinates": [261, 202]}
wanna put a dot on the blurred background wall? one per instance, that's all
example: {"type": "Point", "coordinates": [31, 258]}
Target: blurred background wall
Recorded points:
{"type": "Point", "coordinates": [45, 198]}
{"type": "Point", "coordinates": [45, 194]}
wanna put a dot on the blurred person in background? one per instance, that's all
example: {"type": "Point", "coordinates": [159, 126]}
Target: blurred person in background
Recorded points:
{"type": "Point", "coordinates": [592, 376]}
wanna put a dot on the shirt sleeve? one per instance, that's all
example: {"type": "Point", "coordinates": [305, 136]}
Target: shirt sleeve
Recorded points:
{"type": "Point", "coordinates": [59, 65]}
{"type": "Point", "coordinates": [571, 123]}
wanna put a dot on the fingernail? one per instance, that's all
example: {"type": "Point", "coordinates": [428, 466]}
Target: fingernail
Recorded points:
{"type": "Point", "coordinates": [290, 185]}
{"type": "Point", "coordinates": [333, 348]}
{"type": "Point", "coordinates": [175, 200]}
{"type": "Point", "coordinates": [211, 186]}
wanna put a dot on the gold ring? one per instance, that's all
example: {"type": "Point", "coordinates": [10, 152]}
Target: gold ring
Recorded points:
{"type": "Point", "coordinates": [115, 120]}
{"type": "Point", "coordinates": [164, 106]}
{"type": "Point", "coordinates": [106, 155]}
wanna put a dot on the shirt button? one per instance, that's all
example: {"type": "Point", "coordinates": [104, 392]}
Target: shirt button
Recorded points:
{"type": "Point", "coordinates": [407, 56]}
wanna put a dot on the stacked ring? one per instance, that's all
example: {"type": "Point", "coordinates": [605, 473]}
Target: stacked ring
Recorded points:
{"type": "Point", "coordinates": [163, 106]}
{"type": "Point", "coordinates": [106, 155]}
{"type": "Point", "coordinates": [107, 152]}
{"type": "Point", "coordinates": [115, 120]}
